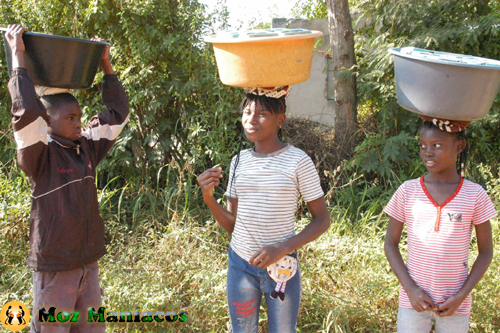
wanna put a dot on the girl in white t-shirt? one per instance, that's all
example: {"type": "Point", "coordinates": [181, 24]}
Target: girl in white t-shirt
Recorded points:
{"type": "Point", "coordinates": [264, 186]}
{"type": "Point", "coordinates": [439, 211]}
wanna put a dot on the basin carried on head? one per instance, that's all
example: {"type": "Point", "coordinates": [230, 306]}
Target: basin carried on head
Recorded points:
{"type": "Point", "coordinates": [56, 61]}
{"type": "Point", "coordinates": [264, 58]}
{"type": "Point", "coordinates": [445, 85]}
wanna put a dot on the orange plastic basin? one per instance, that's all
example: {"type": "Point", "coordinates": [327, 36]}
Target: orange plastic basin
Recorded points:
{"type": "Point", "coordinates": [264, 58]}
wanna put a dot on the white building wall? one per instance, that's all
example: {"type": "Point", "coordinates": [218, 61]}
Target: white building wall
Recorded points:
{"type": "Point", "coordinates": [309, 99]}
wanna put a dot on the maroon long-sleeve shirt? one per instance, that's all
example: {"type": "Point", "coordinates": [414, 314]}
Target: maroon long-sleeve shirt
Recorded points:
{"type": "Point", "coordinates": [66, 229]}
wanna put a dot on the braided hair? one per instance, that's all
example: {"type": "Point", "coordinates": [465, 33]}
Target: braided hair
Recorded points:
{"type": "Point", "coordinates": [459, 136]}
{"type": "Point", "coordinates": [275, 105]}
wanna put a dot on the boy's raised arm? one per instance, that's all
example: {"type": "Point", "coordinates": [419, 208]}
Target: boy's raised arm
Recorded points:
{"type": "Point", "coordinates": [105, 127]}
{"type": "Point", "coordinates": [29, 117]}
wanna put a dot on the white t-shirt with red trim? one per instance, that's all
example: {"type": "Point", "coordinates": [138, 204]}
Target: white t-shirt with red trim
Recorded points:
{"type": "Point", "coordinates": [439, 236]}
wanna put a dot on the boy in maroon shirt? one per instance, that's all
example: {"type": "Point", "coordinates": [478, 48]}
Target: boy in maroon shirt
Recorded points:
{"type": "Point", "coordinates": [60, 159]}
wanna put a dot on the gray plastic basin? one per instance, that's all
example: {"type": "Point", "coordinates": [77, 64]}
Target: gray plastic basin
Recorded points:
{"type": "Point", "coordinates": [445, 85]}
{"type": "Point", "coordinates": [56, 61]}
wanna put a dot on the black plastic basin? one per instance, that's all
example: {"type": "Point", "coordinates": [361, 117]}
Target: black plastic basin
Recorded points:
{"type": "Point", "coordinates": [57, 61]}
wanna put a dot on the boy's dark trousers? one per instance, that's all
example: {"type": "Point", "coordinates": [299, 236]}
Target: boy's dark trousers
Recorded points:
{"type": "Point", "coordinates": [69, 291]}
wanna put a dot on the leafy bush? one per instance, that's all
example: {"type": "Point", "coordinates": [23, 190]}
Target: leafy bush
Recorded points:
{"type": "Point", "coordinates": [182, 116]}
{"type": "Point", "coordinates": [169, 74]}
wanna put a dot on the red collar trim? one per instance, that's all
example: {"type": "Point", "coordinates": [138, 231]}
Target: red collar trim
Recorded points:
{"type": "Point", "coordinates": [447, 200]}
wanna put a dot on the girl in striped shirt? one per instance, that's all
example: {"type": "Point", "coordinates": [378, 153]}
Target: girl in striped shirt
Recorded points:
{"type": "Point", "coordinates": [264, 186]}
{"type": "Point", "coordinates": [439, 211]}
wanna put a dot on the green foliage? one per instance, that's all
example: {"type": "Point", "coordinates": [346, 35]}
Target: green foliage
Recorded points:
{"type": "Point", "coordinates": [378, 154]}
{"type": "Point", "coordinates": [180, 110]}
{"type": "Point", "coordinates": [165, 250]}
{"type": "Point", "coordinates": [310, 9]}
{"type": "Point", "coordinates": [260, 25]}
{"type": "Point", "coordinates": [317, 9]}
{"type": "Point", "coordinates": [348, 285]}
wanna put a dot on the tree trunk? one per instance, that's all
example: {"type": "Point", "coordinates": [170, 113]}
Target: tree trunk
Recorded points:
{"type": "Point", "coordinates": [342, 43]}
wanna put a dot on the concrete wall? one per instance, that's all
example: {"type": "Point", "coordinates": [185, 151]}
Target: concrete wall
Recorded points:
{"type": "Point", "coordinates": [318, 24]}
{"type": "Point", "coordinates": [310, 98]}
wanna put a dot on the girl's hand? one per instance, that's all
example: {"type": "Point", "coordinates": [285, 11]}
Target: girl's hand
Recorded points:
{"type": "Point", "coordinates": [105, 62]}
{"type": "Point", "coordinates": [419, 300]}
{"type": "Point", "coordinates": [268, 255]}
{"type": "Point", "coordinates": [208, 180]}
{"type": "Point", "coordinates": [449, 307]}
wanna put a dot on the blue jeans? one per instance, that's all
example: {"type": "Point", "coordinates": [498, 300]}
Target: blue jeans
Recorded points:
{"type": "Point", "coordinates": [245, 285]}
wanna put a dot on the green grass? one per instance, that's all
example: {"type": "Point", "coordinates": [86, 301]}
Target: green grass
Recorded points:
{"type": "Point", "coordinates": [167, 254]}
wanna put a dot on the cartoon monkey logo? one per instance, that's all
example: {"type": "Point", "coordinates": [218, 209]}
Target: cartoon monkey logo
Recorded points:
{"type": "Point", "coordinates": [15, 316]}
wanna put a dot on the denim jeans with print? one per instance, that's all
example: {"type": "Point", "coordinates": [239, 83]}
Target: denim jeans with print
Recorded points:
{"type": "Point", "coordinates": [245, 285]}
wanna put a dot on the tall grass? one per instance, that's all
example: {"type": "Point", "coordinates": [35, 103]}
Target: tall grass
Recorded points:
{"type": "Point", "coordinates": [15, 280]}
{"type": "Point", "coordinates": [165, 253]}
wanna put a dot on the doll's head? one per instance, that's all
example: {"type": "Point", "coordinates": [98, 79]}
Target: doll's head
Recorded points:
{"type": "Point", "coordinates": [284, 269]}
